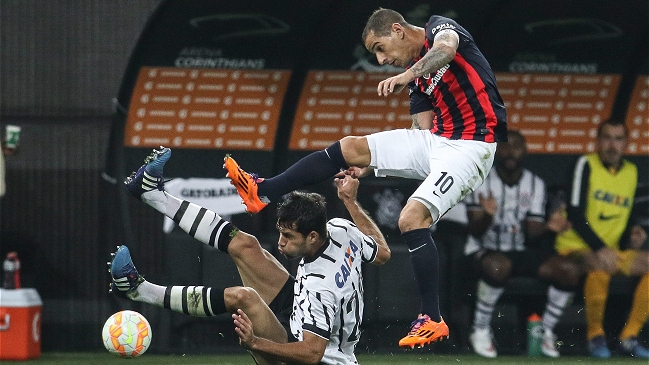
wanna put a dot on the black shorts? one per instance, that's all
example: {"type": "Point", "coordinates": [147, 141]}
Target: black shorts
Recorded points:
{"type": "Point", "coordinates": [524, 263]}
{"type": "Point", "coordinates": [282, 306]}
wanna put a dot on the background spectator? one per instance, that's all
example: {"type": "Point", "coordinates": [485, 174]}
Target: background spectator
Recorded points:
{"type": "Point", "coordinates": [600, 210]}
{"type": "Point", "coordinates": [507, 226]}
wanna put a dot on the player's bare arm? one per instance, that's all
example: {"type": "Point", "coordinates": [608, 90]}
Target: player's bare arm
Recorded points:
{"type": "Point", "coordinates": [347, 192]}
{"type": "Point", "coordinates": [441, 53]}
{"type": "Point", "coordinates": [423, 120]}
{"type": "Point", "coordinates": [308, 351]}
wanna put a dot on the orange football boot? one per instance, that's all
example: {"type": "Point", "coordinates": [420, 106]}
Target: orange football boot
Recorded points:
{"type": "Point", "coordinates": [246, 185]}
{"type": "Point", "coordinates": [424, 331]}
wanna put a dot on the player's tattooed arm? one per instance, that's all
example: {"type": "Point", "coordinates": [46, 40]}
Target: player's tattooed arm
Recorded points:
{"type": "Point", "coordinates": [441, 53]}
{"type": "Point", "coordinates": [423, 120]}
{"type": "Point", "coordinates": [415, 122]}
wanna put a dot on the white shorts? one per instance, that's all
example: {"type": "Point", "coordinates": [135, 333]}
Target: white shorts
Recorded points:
{"type": "Point", "coordinates": [451, 169]}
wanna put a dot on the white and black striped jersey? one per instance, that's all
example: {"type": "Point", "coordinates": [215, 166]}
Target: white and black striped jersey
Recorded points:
{"type": "Point", "coordinates": [329, 291]}
{"type": "Point", "coordinates": [523, 201]}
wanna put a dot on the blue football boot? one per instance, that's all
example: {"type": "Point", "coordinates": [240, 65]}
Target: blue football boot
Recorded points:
{"type": "Point", "coordinates": [631, 346]}
{"type": "Point", "coordinates": [598, 348]}
{"type": "Point", "coordinates": [124, 275]}
{"type": "Point", "coordinates": [149, 176]}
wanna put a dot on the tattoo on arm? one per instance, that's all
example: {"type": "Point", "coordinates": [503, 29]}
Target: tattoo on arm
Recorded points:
{"type": "Point", "coordinates": [415, 122]}
{"type": "Point", "coordinates": [433, 60]}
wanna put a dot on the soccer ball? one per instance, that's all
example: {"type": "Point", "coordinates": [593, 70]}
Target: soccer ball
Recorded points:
{"type": "Point", "coordinates": [127, 334]}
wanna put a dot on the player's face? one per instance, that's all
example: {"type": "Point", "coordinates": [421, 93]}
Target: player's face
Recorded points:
{"type": "Point", "coordinates": [611, 144]}
{"type": "Point", "coordinates": [510, 155]}
{"type": "Point", "coordinates": [389, 50]}
{"type": "Point", "coordinates": [292, 243]}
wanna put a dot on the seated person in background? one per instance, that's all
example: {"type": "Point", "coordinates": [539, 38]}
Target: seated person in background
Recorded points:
{"type": "Point", "coordinates": [600, 210]}
{"type": "Point", "coordinates": [507, 230]}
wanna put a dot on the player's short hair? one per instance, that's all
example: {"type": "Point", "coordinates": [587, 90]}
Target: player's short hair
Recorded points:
{"type": "Point", "coordinates": [303, 212]}
{"type": "Point", "coordinates": [612, 122]}
{"type": "Point", "coordinates": [380, 23]}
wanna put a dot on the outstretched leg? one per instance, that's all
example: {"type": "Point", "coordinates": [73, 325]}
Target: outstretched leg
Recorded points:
{"type": "Point", "coordinates": [257, 267]}
{"type": "Point", "coordinates": [312, 169]}
{"type": "Point", "coordinates": [197, 301]}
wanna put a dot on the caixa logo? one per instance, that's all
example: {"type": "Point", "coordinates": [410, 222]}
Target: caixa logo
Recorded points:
{"type": "Point", "coordinates": [346, 267]}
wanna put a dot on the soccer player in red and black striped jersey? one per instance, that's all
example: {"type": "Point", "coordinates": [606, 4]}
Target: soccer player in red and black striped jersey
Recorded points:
{"type": "Point", "coordinates": [458, 116]}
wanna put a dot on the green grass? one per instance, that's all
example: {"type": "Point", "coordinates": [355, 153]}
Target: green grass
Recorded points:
{"type": "Point", "coordinates": [101, 358]}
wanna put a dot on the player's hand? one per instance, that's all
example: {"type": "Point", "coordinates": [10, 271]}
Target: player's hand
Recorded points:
{"type": "Point", "coordinates": [637, 237]}
{"type": "Point", "coordinates": [608, 260]}
{"type": "Point", "coordinates": [244, 329]}
{"type": "Point", "coordinates": [394, 84]}
{"type": "Point", "coordinates": [488, 203]}
{"type": "Point", "coordinates": [558, 222]}
{"type": "Point", "coordinates": [355, 172]}
{"type": "Point", "coordinates": [347, 188]}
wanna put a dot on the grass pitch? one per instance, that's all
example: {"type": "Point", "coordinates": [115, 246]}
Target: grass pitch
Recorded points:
{"type": "Point", "coordinates": [101, 358]}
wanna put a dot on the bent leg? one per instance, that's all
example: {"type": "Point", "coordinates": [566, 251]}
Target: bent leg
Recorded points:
{"type": "Point", "coordinates": [258, 268]}
{"type": "Point", "coordinates": [640, 306]}
{"type": "Point", "coordinates": [561, 271]}
{"type": "Point", "coordinates": [264, 321]}
{"type": "Point", "coordinates": [565, 275]}
{"type": "Point", "coordinates": [356, 151]}
{"type": "Point", "coordinates": [495, 269]}
{"type": "Point", "coordinates": [595, 294]}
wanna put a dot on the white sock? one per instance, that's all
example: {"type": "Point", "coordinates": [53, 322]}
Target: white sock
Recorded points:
{"type": "Point", "coordinates": [162, 201]}
{"type": "Point", "coordinates": [487, 297]}
{"type": "Point", "coordinates": [558, 300]}
{"type": "Point", "coordinates": [148, 293]}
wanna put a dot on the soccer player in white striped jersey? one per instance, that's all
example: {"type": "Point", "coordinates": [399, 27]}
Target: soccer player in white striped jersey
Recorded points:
{"type": "Point", "coordinates": [310, 319]}
{"type": "Point", "coordinates": [507, 226]}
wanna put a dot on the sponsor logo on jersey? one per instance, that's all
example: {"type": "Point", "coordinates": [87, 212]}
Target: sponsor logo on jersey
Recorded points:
{"type": "Point", "coordinates": [346, 268]}
{"type": "Point", "coordinates": [442, 26]}
{"type": "Point", "coordinates": [611, 198]}
{"type": "Point", "coordinates": [604, 217]}
{"type": "Point", "coordinates": [434, 81]}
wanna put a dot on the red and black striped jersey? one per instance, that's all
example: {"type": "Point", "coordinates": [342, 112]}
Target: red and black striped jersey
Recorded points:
{"type": "Point", "coordinates": [463, 94]}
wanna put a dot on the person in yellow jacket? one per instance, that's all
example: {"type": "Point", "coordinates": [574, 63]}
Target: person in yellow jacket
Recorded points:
{"type": "Point", "coordinates": [600, 211]}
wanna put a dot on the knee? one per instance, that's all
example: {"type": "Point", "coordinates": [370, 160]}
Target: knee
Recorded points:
{"type": "Point", "coordinates": [496, 268]}
{"type": "Point", "coordinates": [643, 260]}
{"type": "Point", "coordinates": [242, 243]}
{"type": "Point", "coordinates": [239, 297]}
{"type": "Point", "coordinates": [561, 271]}
{"type": "Point", "coordinates": [414, 215]}
{"type": "Point", "coordinates": [356, 151]}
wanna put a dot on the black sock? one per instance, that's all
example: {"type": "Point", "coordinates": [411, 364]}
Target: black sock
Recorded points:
{"type": "Point", "coordinates": [312, 169]}
{"type": "Point", "coordinates": [425, 264]}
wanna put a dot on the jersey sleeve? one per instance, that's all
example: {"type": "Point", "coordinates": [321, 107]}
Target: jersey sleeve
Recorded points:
{"type": "Point", "coordinates": [368, 246]}
{"type": "Point", "coordinates": [369, 249]}
{"type": "Point", "coordinates": [537, 206]}
{"type": "Point", "coordinates": [577, 206]}
{"type": "Point", "coordinates": [419, 102]}
{"type": "Point", "coordinates": [438, 23]}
